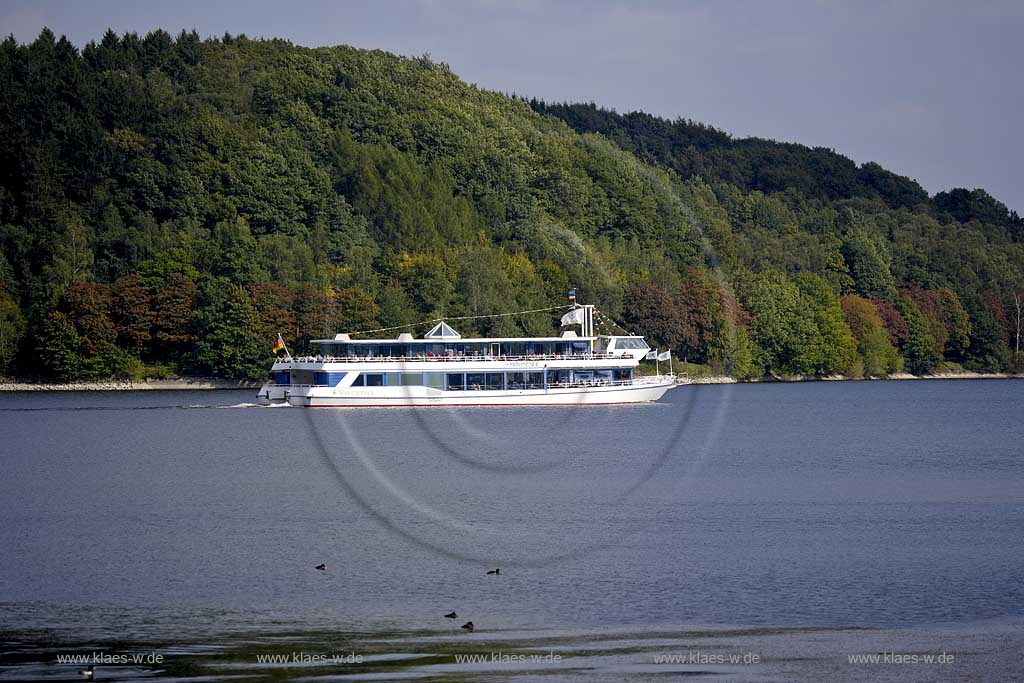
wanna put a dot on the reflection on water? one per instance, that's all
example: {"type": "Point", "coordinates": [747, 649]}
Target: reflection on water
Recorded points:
{"type": "Point", "coordinates": [987, 651]}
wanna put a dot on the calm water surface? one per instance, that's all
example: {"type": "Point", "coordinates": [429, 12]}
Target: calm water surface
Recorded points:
{"type": "Point", "coordinates": [157, 517]}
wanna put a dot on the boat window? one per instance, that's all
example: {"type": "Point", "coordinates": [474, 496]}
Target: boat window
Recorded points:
{"type": "Point", "coordinates": [474, 380]}
{"type": "Point", "coordinates": [534, 380]}
{"type": "Point", "coordinates": [374, 380]}
{"type": "Point", "coordinates": [434, 379]}
{"type": "Point", "coordinates": [456, 381]}
{"type": "Point", "coordinates": [359, 381]}
{"type": "Point", "coordinates": [495, 380]}
{"type": "Point", "coordinates": [630, 343]}
{"type": "Point", "coordinates": [412, 379]}
{"type": "Point", "coordinates": [282, 378]}
{"type": "Point", "coordinates": [558, 376]}
{"type": "Point", "coordinates": [327, 379]}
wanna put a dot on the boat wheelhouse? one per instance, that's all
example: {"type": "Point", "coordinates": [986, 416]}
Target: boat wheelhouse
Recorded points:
{"type": "Point", "coordinates": [443, 368]}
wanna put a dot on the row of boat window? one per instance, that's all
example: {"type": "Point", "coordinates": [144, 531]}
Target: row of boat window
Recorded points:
{"type": "Point", "coordinates": [456, 349]}
{"type": "Point", "coordinates": [469, 381]}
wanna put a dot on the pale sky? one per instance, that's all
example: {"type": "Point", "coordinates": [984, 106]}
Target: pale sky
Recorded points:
{"type": "Point", "coordinates": [930, 89]}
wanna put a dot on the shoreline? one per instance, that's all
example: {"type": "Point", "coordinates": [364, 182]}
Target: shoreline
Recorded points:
{"type": "Point", "coordinates": [172, 384]}
{"type": "Point", "coordinates": [900, 376]}
{"type": "Point", "coordinates": [212, 384]}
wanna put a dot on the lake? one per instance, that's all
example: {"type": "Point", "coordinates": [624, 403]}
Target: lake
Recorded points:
{"type": "Point", "coordinates": [798, 522]}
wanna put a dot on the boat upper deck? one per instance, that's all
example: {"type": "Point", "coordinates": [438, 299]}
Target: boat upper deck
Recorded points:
{"type": "Point", "coordinates": [442, 343]}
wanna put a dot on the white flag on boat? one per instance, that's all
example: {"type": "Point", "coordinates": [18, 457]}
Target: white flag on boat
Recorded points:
{"type": "Point", "coordinates": [573, 317]}
{"type": "Point", "coordinates": [664, 355]}
{"type": "Point", "coordinates": [651, 355]}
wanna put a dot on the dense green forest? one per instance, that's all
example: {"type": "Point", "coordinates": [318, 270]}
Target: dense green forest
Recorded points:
{"type": "Point", "coordinates": [168, 205]}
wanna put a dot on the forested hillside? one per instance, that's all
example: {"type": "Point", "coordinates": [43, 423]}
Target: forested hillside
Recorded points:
{"type": "Point", "coordinates": [168, 205]}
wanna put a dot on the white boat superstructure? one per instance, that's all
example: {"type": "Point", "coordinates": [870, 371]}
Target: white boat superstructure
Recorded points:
{"type": "Point", "coordinates": [443, 369]}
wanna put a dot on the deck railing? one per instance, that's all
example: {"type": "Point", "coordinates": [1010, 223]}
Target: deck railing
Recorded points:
{"type": "Point", "coordinates": [449, 359]}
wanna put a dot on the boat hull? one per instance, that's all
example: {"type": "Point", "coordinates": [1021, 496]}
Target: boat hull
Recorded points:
{"type": "Point", "coordinates": [330, 397]}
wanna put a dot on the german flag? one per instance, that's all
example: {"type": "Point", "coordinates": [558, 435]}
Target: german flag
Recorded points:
{"type": "Point", "coordinates": [279, 344]}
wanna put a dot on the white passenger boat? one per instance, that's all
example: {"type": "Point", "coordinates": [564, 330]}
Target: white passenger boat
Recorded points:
{"type": "Point", "coordinates": [443, 369]}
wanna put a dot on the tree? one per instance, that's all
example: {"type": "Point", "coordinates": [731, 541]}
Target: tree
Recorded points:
{"type": "Point", "coordinates": [832, 349]}
{"type": "Point", "coordinates": [878, 355]}
{"type": "Point", "coordinates": [780, 326]}
{"type": "Point", "coordinates": [131, 313]}
{"type": "Point", "coordinates": [316, 316]}
{"type": "Point", "coordinates": [356, 309]}
{"type": "Point", "coordinates": [930, 305]}
{"type": "Point", "coordinates": [12, 331]}
{"type": "Point", "coordinates": [227, 338]}
{"type": "Point", "coordinates": [987, 350]}
{"type": "Point", "coordinates": [172, 317]}
{"type": "Point", "coordinates": [737, 355]}
{"type": "Point", "coordinates": [894, 323]}
{"type": "Point", "coordinates": [424, 278]}
{"type": "Point", "coordinates": [868, 265]}
{"type": "Point", "coordinates": [957, 323]}
{"type": "Point", "coordinates": [87, 306]}
{"type": "Point", "coordinates": [700, 317]}
{"type": "Point", "coordinates": [395, 308]}
{"type": "Point", "coordinates": [274, 306]}
{"type": "Point", "coordinates": [919, 351]}
{"type": "Point", "coordinates": [57, 348]}
{"type": "Point", "coordinates": [650, 311]}
{"type": "Point", "coordinates": [1018, 307]}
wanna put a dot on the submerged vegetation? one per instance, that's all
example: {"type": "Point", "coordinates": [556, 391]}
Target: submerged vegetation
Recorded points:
{"type": "Point", "coordinates": [174, 203]}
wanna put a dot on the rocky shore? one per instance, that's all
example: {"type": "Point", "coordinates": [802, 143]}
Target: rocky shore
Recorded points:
{"type": "Point", "coordinates": [725, 379]}
{"type": "Point", "coordinates": [172, 384]}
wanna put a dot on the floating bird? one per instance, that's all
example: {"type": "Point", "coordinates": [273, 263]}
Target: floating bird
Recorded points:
{"type": "Point", "coordinates": [451, 615]}
{"type": "Point", "coordinates": [469, 626]}
{"type": "Point", "coordinates": [495, 571]}
{"type": "Point", "coordinates": [322, 567]}
{"type": "Point", "coordinates": [87, 671]}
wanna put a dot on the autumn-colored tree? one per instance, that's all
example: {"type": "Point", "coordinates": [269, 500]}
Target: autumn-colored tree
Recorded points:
{"type": "Point", "coordinates": [87, 306]}
{"type": "Point", "coordinates": [172, 317]}
{"type": "Point", "coordinates": [316, 316]}
{"type": "Point", "coordinates": [700, 317]}
{"type": "Point", "coordinates": [895, 324]}
{"type": "Point", "coordinates": [274, 309]}
{"type": "Point", "coordinates": [651, 311]}
{"type": "Point", "coordinates": [877, 354]}
{"type": "Point", "coordinates": [920, 349]}
{"type": "Point", "coordinates": [930, 305]}
{"type": "Point", "coordinates": [132, 314]}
